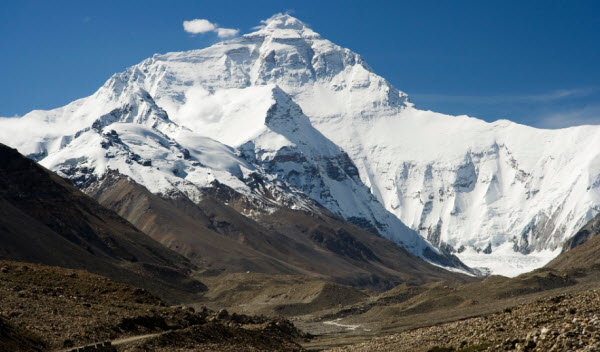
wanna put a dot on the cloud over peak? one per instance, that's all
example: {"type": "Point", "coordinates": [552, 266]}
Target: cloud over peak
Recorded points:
{"type": "Point", "coordinates": [227, 32]}
{"type": "Point", "coordinates": [200, 25]}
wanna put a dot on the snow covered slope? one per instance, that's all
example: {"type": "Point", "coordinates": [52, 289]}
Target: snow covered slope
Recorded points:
{"type": "Point", "coordinates": [137, 138]}
{"type": "Point", "coordinates": [278, 136]}
{"type": "Point", "coordinates": [295, 103]}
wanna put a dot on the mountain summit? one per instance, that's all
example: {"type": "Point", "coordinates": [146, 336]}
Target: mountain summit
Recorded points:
{"type": "Point", "coordinates": [316, 123]}
{"type": "Point", "coordinates": [284, 26]}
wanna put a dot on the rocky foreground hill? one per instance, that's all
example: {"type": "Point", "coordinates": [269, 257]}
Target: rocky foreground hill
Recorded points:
{"type": "Point", "coordinates": [46, 308]}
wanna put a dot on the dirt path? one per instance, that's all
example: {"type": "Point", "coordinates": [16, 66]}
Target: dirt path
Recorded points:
{"type": "Point", "coordinates": [118, 342]}
{"type": "Point", "coordinates": [127, 340]}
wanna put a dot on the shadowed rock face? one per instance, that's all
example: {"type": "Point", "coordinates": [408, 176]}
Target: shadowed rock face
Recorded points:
{"type": "Point", "coordinates": [581, 251]}
{"type": "Point", "coordinates": [47, 220]}
{"type": "Point", "coordinates": [588, 232]}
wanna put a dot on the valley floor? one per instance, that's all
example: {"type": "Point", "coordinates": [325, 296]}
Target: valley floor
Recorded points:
{"type": "Point", "coordinates": [566, 322]}
{"type": "Point", "coordinates": [51, 309]}
{"type": "Point", "coordinates": [543, 310]}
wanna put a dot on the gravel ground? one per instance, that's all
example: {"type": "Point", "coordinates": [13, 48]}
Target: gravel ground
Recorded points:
{"type": "Point", "coordinates": [568, 322]}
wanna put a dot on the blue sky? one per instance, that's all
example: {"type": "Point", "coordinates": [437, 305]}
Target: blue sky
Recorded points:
{"type": "Point", "coordinates": [534, 62]}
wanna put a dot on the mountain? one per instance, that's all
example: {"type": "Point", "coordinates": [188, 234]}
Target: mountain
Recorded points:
{"type": "Point", "coordinates": [138, 139]}
{"type": "Point", "coordinates": [47, 220]}
{"type": "Point", "coordinates": [51, 222]}
{"type": "Point", "coordinates": [216, 236]}
{"type": "Point", "coordinates": [309, 116]}
{"type": "Point", "coordinates": [121, 127]}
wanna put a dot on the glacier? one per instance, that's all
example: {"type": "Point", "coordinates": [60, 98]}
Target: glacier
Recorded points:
{"type": "Point", "coordinates": [286, 103]}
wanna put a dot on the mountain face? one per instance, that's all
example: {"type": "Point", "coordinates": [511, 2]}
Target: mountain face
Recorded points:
{"type": "Point", "coordinates": [217, 237]}
{"type": "Point", "coordinates": [316, 123]}
{"type": "Point", "coordinates": [289, 147]}
{"type": "Point", "coordinates": [47, 220]}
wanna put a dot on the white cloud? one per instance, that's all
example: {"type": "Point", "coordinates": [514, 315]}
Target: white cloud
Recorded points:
{"type": "Point", "coordinates": [199, 25]}
{"type": "Point", "coordinates": [587, 115]}
{"type": "Point", "coordinates": [501, 99]}
{"type": "Point", "coordinates": [227, 32]}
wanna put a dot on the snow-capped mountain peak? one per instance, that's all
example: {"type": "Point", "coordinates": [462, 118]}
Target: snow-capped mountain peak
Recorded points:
{"type": "Point", "coordinates": [285, 101]}
{"type": "Point", "coordinates": [283, 26]}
